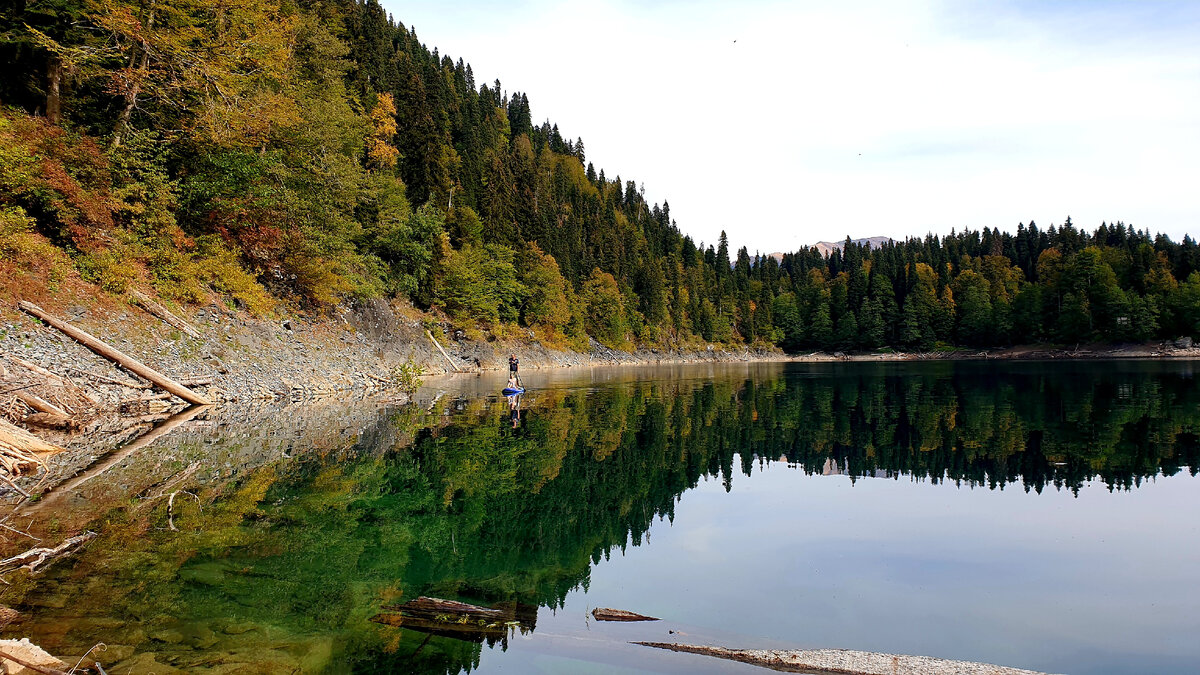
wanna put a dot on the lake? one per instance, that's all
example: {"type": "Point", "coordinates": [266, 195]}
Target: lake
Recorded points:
{"type": "Point", "coordinates": [1032, 514]}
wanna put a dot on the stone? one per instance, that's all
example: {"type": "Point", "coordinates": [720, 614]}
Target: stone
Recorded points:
{"type": "Point", "coordinates": [1184, 342]}
{"type": "Point", "coordinates": [238, 627]}
{"type": "Point", "coordinates": [169, 636]}
{"type": "Point", "coordinates": [143, 664]}
{"type": "Point", "coordinates": [29, 652]}
{"type": "Point", "coordinates": [199, 636]}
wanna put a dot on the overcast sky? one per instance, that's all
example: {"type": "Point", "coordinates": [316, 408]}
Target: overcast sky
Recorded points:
{"type": "Point", "coordinates": [786, 123]}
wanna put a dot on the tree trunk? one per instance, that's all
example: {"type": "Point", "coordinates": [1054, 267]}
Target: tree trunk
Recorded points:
{"type": "Point", "coordinates": [128, 363]}
{"type": "Point", "coordinates": [54, 76]}
{"type": "Point", "coordinates": [143, 66]}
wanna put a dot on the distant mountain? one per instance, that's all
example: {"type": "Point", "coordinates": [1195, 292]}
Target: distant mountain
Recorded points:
{"type": "Point", "coordinates": [827, 247]}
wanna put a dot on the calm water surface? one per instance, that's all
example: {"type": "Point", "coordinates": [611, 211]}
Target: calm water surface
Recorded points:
{"type": "Point", "coordinates": [1040, 515]}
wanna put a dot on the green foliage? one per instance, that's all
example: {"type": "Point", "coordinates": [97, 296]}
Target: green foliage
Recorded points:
{"type": "Point", "coordinates": [546, 303]}
{"type": "Point", "coordinates": [30, 252]}
{"type": "Point", "coordinates": [605, 319]}
{"type": "Point", "coordinates": [479, 283]}
{"type": "Point", "coordinates": [407, 376]}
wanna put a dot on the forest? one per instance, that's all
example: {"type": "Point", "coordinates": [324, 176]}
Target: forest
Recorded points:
{"type": "Point", "coordinates": [305, 157]}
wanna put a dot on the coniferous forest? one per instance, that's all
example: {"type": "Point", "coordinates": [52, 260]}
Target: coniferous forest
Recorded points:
{"type": "Point", "coordinates": [314, 155]}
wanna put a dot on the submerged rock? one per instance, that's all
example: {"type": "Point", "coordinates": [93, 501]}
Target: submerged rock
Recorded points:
{"type": "Point", "coordinates": [30, 653]}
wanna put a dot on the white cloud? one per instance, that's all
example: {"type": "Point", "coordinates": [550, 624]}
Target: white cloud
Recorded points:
{"type": "Point", "coordinates": [859, 118]}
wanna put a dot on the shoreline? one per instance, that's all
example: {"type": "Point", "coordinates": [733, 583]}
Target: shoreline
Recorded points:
{"type": "Point", "coordinates": [237, 359]}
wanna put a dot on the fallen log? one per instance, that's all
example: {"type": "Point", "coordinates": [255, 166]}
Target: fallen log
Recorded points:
{"type": "Point", "coordinates": [163, 313]}
{"type": "Point", "coordinates": [53, 378]}
{"type": "Point", "coordinates": [112, 380]}
{"type": "Point", "coordinates": [51, 421]}
{"type": "Point", "coordinates": [443, 351]}
{"type": "Point", "coordinates": [433, 606]}
{"type": "Point", "coordinates": [608, 614]}
{"type": "Point", "coordinates": [460, 620]}
{"type": "Point", "coordinates": [844, 661]}
{"type": "Point", "coordinates": [127, 362]}
{"type": "Point", "coordinates": [14, 438]}
{"type": "Point", "coordinates": [199, 381]}
{"type": "Point", "coordinates": [39, 404]}
{"type": "Point", "coordinates": [36, 557]}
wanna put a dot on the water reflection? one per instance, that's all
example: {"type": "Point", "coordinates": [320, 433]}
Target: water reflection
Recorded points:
{"type": "Point", "coordinates": [511, 502]}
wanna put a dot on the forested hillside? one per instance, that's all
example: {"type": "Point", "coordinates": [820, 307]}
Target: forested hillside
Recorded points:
{"type": "Point", "coordinates": [322, 154]}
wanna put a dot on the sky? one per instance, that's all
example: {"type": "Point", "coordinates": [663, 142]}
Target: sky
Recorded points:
{"type": "Point", "coordinates": [788, 123]}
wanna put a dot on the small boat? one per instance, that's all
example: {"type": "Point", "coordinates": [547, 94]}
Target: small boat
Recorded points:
{"type": "Point", "coordinates": [509, 391]}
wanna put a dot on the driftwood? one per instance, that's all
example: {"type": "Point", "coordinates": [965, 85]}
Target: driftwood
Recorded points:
{"type": "Point", "coordinates": [128, 363]}
{"type": "Point", "coordinates": [39, 404]}
{"type": "Point", "coordinates": [163, 313]}
{"type": "Point", "coordinates": [460, 620]}
{"type": "Point", "coordinates": [443, 351]}
{"type": "Point", "coordinates": [53, 379]}
{"type": "Point", "coordinates": [607, 614]}
{"type": "Point", "coordinates": [51, 421]}
{"type": "Point", "coordinates": [198, 381]}
{"type": "Point", "coordinates": [36, 557]}
{"type": "Point", "coordinates": [17, 442]}
{"type": "Point", "coordinates": [112, 380]}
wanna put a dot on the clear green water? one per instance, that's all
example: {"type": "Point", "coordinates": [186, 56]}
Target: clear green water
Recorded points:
{"type": "Point", "coordinates": [1040, 515]}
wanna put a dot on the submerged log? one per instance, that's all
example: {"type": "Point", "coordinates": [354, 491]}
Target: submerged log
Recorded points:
{"type": "Point", "coordinates": [460, 620]}
{"type": "Point", "coordinates": [36, 557]}
{"type": "Point", "coordinates": [466, 631]}
{"type": "Point", "coordinates": [845, 661]}
{"type": "Point", "coordinates": [426, 605]}
{"type": "Point", "coordinates": [608, 614]}
{"type": "Point", "coordinates": [123, 360]}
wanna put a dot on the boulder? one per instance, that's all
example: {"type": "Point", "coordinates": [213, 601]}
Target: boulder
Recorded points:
{"type": "Point", "coordinates": [30, 653]}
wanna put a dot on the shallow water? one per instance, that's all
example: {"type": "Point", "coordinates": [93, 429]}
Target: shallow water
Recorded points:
{"type": "Point", "coordinates": [1039, 515]}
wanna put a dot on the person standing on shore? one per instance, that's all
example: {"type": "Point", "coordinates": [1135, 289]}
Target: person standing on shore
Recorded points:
{"type": "Point", "coordinates": [513, 364]}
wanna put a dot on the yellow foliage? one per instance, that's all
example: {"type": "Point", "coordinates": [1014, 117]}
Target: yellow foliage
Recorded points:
{"type": "Point", "coordinates": [30, 251]}
{"type": "Point", "coordinates": [380, 151]}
